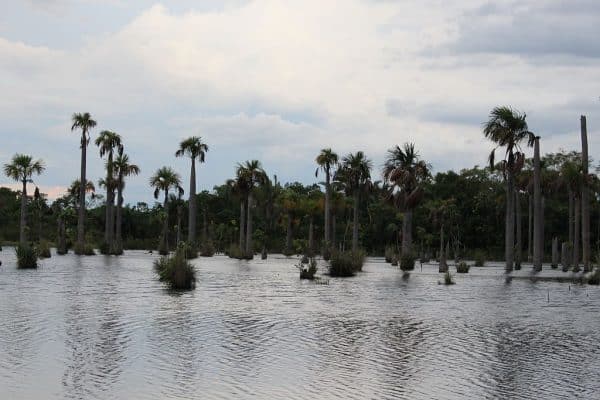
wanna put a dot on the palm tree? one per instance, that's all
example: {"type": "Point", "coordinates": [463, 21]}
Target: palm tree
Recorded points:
{"type": "Point", "coordinates": [571, 177]}
{"type": "Point", "coordinates": [253, 175]}
{"type": "Point", "coordinates": [74, 191]}
{"type": "Point", "coordinates": [195, 149]}
{"type": "Point", "coordinates": [164, 179]}
{"type": "Point", "coordinates": [108, 141]}
{"type": "Point", "coordinates": [406, 173]}
{"type": "Point", "coordinates": [355, 173]}
{"type": "Point", "coordinates": [508, 128]}
{"type": "Point", "coordinates": [84, 122]}
{"type": "Point", "coordinates": [443, 213]}
{"type": "Point", "coordinates": [327, 160]}
{"type": "Point", "coordinates": [239, 187]}
{"type": "Point", "coordinates": [21, 169]}
{"type": "Point", "coordinates": [122, 169]}
{"type": "Point", "coordinates": [585, 197]}
{"type": "Point", "coordinates": [289, 205]}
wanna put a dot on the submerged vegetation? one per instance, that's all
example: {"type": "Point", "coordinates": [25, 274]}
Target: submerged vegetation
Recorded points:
{"type": "Point", "coordinates": [346, 263]}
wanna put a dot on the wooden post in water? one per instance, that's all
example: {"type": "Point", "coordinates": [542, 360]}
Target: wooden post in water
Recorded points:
{"type": "Point", "coordinates": [585, 201]}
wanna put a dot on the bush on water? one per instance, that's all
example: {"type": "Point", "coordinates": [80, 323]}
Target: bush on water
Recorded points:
{"type": "Point", "coordinates": [448, 279]}
{"type": "Point", "coordinates": [308, 270]}
{"type": "Point", "coordinates": [176, 270]}
{"type": "Point", "coordinates": [346, 263]}
{"type": "Point", "coordinates": [462, 267]}
{"type": "Point", "coordinates": [26, 256]}
{"type": "Point", "coordinates": [407, 262]}
{"type": "Point", "coordinates": [479, 258]}
{"type": "Point", "coordinates": [207, 248]}
{"type": "Point", "coordinates": [86, 250]}
{"type": "Point", "coordinates": [43, 249]}
{"type": "Point", "coordinates": [390, 254]}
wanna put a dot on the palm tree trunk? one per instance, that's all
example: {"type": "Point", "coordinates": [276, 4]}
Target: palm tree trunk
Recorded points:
{"type": "Point", "coordinates": [519, 250]}
{"type": "Point", "coordinates": [537, 208]}
{"type": "Point", "coordinates": [443, 265]}
{"type": "Point", "coordinates": [192, 205]}
{"type": "Point", "coordinates": [204, 224]}
{"type": "Point", "coordinates": [311, 249]}
{"type": "Point", "coordinates": [179, 213]}
{"type": "Point", "coordinates": [242, 224]}
{"type": "Point", "coordinates": [61, 243]}
{"type": "Point", "coordinates": [554, 252]}
{"type": "Point", "coordinates": [333, 229]}
{"type": "Point", "coordinates": [585, 200]}
{"type": "Point", "coordinates": [327, 210]}
{"type": "Point", "coordinates": [82, 184]}
{"type": "Point", "coordinates": [23, 222]}
{"type": "Point", "coordinates": [576, 232]}
{"type": "Point", "coordinates": [118, 247]}
{"type": "Point", "coordinates": [530, 228]}
{"type": "Point", "coordinates": [509, 234]}
{"type": "Point", "coordinates": [110, 200]}
{"type": "Point", "coordinates": [355, 223]}
{"type": "Point", "coordinates": [249, 248]}
{"type": "Point", "coordinates": [571, 215]}
{"type": "Point", "coordinates": [441, 242]}
{"type": "Point", "coordinates": [288, 234]}
{"type": "Point", "coordinates": [165, 235]}
{"type": "Point", "coordinates": [407, 233]}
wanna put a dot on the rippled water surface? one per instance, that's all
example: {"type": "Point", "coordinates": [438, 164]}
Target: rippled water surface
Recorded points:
{"type": "Point", "coordinates": [105, 328]}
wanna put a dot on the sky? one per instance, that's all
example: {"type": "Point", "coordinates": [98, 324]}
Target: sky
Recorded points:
{"type": "Point", "coordinates": [279, 80]}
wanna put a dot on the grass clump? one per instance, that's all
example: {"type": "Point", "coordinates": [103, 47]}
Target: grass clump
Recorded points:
{"type": "Point", "coordinates": [43, 249]}
{"type": "Point", "coordinates": [176, 270]}
{"type": "Point", "coordinates": [26, 257]}
{"type": "Point", "coordinates": [189, 249]}
{"type": "Point", "coordinates": [85, 250]}
{"type": "Point", "coordinates": [479, 259]}
{"type": "Point", "coordinates": [448, 279]}
{"type": "Point", "coordinates": [207, 249]}
{"type": "Point", "coordinates": [462, 267]}
{"type": "Point", "coordinates": [407, 262]}
{"type": "Point", "coordinates": [308, 270]}
{"type": "Point", "coordinates": [344, 264]}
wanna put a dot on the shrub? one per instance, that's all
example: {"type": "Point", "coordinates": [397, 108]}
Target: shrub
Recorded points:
{"type": "Point", "coordinates": [479, 258]}
{"type": "Point", "coordinates": [43, 249]}
{"type": "Point", "coordinates": [448, 279]}
{"type": "Point", "coordinates": [462, 267]}
{"type": "Point", "coordinates": [346, 263]}
{"type": "Point", "coordinates": [594, 278]}
{"type": "Point", "coordinates": [308, 271]}
{"type": "Point", "coordinates": [390, 254]}
{"type": "Point", "coordinates": [407, 262]}
{"type": "Point", "coordinates": [86, 250]}
{"type": "Point", "coordinates": [207, 249]}
{"type": "Point", "coordinates": [104, 248]}
{"type": "Point", "coordinates": [189, 250]}
{"type": "Point", "coordinates": [176, 270]}
{"type": "Point", "coordinates": [234, 251]}
{"type": "Point", "coordinates": [26, 257]}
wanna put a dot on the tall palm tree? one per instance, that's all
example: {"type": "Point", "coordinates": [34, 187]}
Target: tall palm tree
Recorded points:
{"type": "Point", "coordinates": [253, 174]}
{"type": "Point", "coordinates": [21, 169]}
{"type": "Point", "coordinates": [327, 160]}
{"type": "Point", "coordinates": [107, 142]}
{"type": "Point", "coordinates": [508, 128]}
{"type": "Point", "coordinates": [164, 179]}
{"type": "Point", "coordinates": [289, 206]}
{"type": "Point", "coordinates": [355, 173]}
{"type": "Point", "coordinates": [585, 199]}
{"type": "Point", "coordinates": [571, 178]}
{"type": "Point", "coordinates": [122, 168]}
{"type": "Point", "coordinates": [239, 187]}
{"type": "Point", "coordinates": [84, 122]}
{"type": "Point", "coordinates": [406, 173]}
{"type": "Point", "coordinates": [194, 148]}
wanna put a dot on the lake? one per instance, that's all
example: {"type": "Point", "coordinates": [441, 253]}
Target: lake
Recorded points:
{"type": "Point", "coordinates": [103, 327]}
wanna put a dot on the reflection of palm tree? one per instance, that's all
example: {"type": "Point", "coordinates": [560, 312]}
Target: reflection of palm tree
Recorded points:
{"type": "Point", "coordinates": [406, 173]}
{"type": "Point", "coordinates": [194, 148]}
{"type": "Point", "coordinates": [164, 179]}
{"type": "Point", "coordinates": [508, 128]}
{"type": "Point", "coordinates": [85, 123]}
{"type": "Point", "coordinates": [21, 168]}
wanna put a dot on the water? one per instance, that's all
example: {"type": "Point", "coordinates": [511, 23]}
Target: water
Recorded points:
{"type": "Point", "coordinates": [105, 328]}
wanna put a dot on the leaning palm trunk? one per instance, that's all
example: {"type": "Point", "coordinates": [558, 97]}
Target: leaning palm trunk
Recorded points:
{"type": "Point", "coordinates": [23, 222]}
{"type": "Point", "coordinates": [355, 223]}
{"type": "Point", "coordinates": [537, 208]}
{"type": "Point", "coordinates": [118, 246]}
{"type": "Point", "coordinates": [585, 201]}
{"type": "Point", "coordinates": [249, 248]}
{"type": "Point", "coordinates": [519, 250]}
{"type": "Point", "coordinates": [407, 233]}
{"type": "Point", "coordinates": [82, 184]}
{"type": "Point", "coordinates": [242, 224]}
{"type": "Point", "coordinates": [192, 205]}
{"type": "Point", "coordinates": [576, 232]}
{"type": "Point", "coordinates": [509, 239]}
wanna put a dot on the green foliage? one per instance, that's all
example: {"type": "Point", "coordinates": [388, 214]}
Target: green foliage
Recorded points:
{"type": "Point", "coordinates": [43, 249]}
{"type": "Point", "coordinates": [479, 256]}
{"type": "Point", "coordinates": [176, 271]}
{"type": "Point", "coordinates": [207, 248]}
{"type": "Point", "coordinates": [86, 250]}
{"type": "Point", "coordinates": [234, 251]}
{"type": "Point", "coordinates": [407, 262]}
{"type": "Point", "coordinates": [462, 267]}
{"type": "Point", "coordinates": [26, 257]}
{"type": "Point", "coordinates": [448, 279]}
{"type": "Point", "coordinates": [308, 270]}
{"type": "Point", "coordinates": [347, 263]}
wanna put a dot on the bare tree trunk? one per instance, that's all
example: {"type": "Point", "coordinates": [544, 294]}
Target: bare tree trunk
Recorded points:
{"type": "Point", "coordinates": [577, 232]}
{"type": "Point", "coordinates": [355, 223]}
{"type": "Point", "coordinates": [23, 222]}
{"type": "Point", "coordinates": [192, 205]}
{"type": "Point", "coordinates": [554, 252]}
{"type": "Point", "coordinates": [407, 233]}
{"type": "Point", "coordinates": [249, 247]}
{"type": "Point", "coordinates": [530, 228]}
{"type": "Point", "coordinates": [179, 214]}
{"type": "Point", "coordinates": [61, 245]}
{"type": "Point", "coordinates": [443, 266]}
{"type": "Point", "coordinates": [509, 234]}
{"type": "Point", "coordinates": [110, 204]}
{"type": "Point", "coordinates": [327, 208]}
{"type": "Point", "coordinates": [585, 200]}
{"type": "Point", "coordinates": [333, 230]}
{"type": "Point", "coordinates": [118, 248]}
{"type": "Point", "coordinates": [519, 250]}
{"type": "Point", "coordinates": [565, 256]}
{"type": "Point", "coordinates": [537, 208]}
{"type": "Point", "coordinates": [82, 184]}
{"type": "Point", "coordinates": [165, 233]}
{"type": "Point", "coordinates": [242, 224]}
{"type": "Point", "coordinates": [571, 215]}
